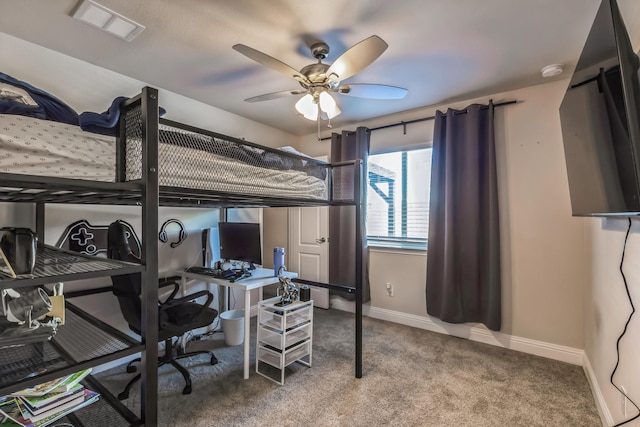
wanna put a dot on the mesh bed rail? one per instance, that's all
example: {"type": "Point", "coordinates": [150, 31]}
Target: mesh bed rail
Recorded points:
{"type": "Point", "coordinates": [195, 159]}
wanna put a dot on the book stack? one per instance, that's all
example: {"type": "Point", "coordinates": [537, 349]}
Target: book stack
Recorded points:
{"type": "Point", "coordinates": [47, 402]}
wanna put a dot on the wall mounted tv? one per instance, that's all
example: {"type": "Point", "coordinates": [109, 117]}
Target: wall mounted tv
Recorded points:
{"type": "Point", "coordinates": [600, 122]}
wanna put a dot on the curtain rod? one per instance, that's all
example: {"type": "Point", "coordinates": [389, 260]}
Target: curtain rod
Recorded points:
{"type": "Point", "coordinates": [424, 119]}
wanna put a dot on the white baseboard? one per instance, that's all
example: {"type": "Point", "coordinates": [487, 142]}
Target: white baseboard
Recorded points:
{"type": "Point", "coordinates": [471, 332]}
{"type": "Point", "coordinates": [603, 409]}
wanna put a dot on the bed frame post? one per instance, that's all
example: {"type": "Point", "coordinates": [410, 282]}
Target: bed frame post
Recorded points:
{"type": "Point", "coordinates": [40, 221]}
{"type": "Point", "coordinates": [150, 203]}
{"type": "Point", "coordinates": [358, 191]}
{"type": "Point", "coordinates": [121, 137]}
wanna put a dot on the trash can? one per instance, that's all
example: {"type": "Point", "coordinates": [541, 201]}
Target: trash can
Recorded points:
{"type": "Point", "coordinates": [233, 326]}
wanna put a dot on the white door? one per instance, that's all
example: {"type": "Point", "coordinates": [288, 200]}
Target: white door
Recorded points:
{"type": "Point", "coordinates": [308, 246]}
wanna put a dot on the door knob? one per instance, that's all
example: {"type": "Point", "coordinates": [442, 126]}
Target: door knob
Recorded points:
{"type": "Point", "coordinates": [322, 240]}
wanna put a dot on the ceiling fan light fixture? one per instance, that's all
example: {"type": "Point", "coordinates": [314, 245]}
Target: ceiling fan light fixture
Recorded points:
{"type": "Point", "coordinates": [307, 107]}
{"type": "Point", "coordinates": [329, 105]}
{"type": "Point", "coordinates": [319, 80]}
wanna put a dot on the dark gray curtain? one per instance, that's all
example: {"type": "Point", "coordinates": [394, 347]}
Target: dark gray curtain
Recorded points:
{"type": "Point", "coordinates": [342, 220]}
{"type": "Point", "coordinates": [463, 258]}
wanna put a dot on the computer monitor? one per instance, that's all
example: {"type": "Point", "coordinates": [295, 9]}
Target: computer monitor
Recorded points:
{"type": "Point", "coordinates": [240, 241]}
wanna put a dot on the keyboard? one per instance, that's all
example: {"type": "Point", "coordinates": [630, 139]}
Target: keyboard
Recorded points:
{"type": "Point", "coordinates": [206, 271]}
{"type": "Point", "coordinates": [231, 275]}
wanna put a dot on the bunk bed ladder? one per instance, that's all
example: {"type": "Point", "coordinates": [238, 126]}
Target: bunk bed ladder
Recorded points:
{"type": "Point", "coordinates": [360, 236]}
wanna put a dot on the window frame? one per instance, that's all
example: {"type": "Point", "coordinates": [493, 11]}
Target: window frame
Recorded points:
{"type": "Point", "coordinates": [394, 242]}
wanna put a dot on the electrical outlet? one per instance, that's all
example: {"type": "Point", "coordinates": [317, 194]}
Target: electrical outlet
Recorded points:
{"type": "Point", "coordinates": [389, 290]}
{"type": "Point", "coordinates": [624, 401]}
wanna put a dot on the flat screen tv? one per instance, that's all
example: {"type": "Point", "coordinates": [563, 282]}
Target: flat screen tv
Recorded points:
{"type": "Point", "coordinates": [240, 241]}
{"type": "Point", "coordinates": [600, 123]}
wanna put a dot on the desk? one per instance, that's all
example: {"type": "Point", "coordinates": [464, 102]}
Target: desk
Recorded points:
{"type": "Point", "coordinates": [260, 277]}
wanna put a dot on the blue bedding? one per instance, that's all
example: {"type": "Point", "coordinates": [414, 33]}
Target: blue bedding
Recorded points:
{"type": "Point", "coordinates": [49, 107]}
{"type": "Point", "coordinates": [105, 123]}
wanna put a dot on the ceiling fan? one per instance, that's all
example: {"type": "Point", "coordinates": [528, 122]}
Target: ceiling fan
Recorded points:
{"type": "Point", "coordinates": [319, 80]}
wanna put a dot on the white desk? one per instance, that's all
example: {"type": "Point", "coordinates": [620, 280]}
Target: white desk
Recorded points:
{"type": "Point", "coordinates": [260, 277]}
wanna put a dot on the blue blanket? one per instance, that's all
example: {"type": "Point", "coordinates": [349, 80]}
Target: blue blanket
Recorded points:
{"type": "Point", "coordinates": [105, 123]}
{"type": "Point", "coordinates": [49, 107]}
{"type": "Point", "coordinates": [102, 123]}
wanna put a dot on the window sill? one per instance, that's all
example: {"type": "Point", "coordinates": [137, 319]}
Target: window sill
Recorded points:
{"type": "Point", "coordinates": [397, 251]}
{"type": "Point", "coordinates": [397, 243]}
{"type": "Point", "coordinates": [395, 247]}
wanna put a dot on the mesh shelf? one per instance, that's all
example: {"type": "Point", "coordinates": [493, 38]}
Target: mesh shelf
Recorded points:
{"type": "Point", "coordinates": [58, 265]}
{"type": "Point", "coordinates": [83, 341]}
{"type": "Point", "coordinates": [192, 158]}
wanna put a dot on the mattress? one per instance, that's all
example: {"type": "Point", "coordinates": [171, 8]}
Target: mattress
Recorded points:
{"type": "Point", "coordinates": [46, 148]}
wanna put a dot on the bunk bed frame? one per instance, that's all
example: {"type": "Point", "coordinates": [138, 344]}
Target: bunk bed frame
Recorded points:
{"type": "Point", "coordinates": [33, 364]}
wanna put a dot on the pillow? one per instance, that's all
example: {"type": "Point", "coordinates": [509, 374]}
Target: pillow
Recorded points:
{"type": "Point", "coordinates": [48, 106]}
{"type": "Point", "coordinates": [16, 94]}
{"type": "Point", "coordinates": [292, 150]}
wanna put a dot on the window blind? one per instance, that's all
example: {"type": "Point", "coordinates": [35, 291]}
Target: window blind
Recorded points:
{"type": "Point", "coordinates": [398, 198]}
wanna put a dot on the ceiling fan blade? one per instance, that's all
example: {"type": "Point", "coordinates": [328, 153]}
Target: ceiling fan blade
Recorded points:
{"type": "Point", "coordinates": [356, 59]}
{"type": "Point", "coordinates": [372, 91]}
{"type": "Point", "coordinates": [275, 95]}
{"type": "Point", "coordinates": [270, 62]}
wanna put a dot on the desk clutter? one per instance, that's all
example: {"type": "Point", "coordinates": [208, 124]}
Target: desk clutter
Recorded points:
{"type": "Point", "coordinates": [232, 274]}
{"type": "Point", "coordinates": [290, 293]}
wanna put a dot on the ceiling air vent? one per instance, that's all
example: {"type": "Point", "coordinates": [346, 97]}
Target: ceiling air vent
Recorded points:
{"type": "Point", "coordinates": [107, 20]}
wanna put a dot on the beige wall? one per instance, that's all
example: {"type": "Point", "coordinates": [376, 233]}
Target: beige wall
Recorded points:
{"type": "Point", "coordinates": [608, 308]}
{"type": "Point", "coordinates": [275, 234]}
{"type": "Point", "coordinates": [542, 261]}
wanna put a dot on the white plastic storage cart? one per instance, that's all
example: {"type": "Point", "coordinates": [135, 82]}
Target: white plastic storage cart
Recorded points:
{"type": "Point", "coordinates": [285, 335]}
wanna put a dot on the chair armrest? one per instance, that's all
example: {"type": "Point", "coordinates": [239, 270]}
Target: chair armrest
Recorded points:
{"type": "Point", "coordinates": [176, 303]}
{"type": "Point", "coordinates": [169, 281]}
{"type": "Point", "coordinates": [187, 298]}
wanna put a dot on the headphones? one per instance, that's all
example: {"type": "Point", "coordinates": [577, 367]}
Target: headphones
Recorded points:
{"type": "Point", "coordinates": [182, 234]}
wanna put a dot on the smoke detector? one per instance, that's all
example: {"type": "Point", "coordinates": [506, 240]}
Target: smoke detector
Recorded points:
{"type": "Point", "coordinates": [552, 70]}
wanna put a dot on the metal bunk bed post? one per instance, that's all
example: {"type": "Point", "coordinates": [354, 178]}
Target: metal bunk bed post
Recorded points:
{"type": "Point", "coordinates": [360, 235]}
{"type": "Point", "coordinates": [40, 221]}
{"type": "Point", "coordinates": [149, 256]}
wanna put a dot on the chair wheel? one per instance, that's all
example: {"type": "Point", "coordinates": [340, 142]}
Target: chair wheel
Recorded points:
{"type": "Point", "coordinates": [131, 369]}
{"type": "Point", "coordinates": [214, 360]}
{"type": "Point", "coordinates": [124, 395]}
{"type": "Point", "coordinates": [186, 390]}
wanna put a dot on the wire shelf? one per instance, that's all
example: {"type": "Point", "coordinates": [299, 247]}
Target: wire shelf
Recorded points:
{"type": "Point", "coordinates": [58, 265]}
{"type": "Point", "coordinates": [83, 341]}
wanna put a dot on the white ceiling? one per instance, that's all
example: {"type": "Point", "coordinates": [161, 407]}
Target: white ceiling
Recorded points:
{"type": "Point", "coordinates": [441, 50]}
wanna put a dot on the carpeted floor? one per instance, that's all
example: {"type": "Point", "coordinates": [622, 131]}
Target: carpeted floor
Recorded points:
{"type": "Point", "coordinates": [412, 377]}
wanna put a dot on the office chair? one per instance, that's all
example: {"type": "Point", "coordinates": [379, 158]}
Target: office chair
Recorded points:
{"type": "Point", "coordinates": [176, 316]}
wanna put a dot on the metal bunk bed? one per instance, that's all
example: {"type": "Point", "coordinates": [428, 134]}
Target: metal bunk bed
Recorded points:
{"type": "Point", "coordinates": [139, 181]}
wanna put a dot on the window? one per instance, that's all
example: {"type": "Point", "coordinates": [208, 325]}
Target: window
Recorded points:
{"type": "Point", "coordinates": [398, 199]}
